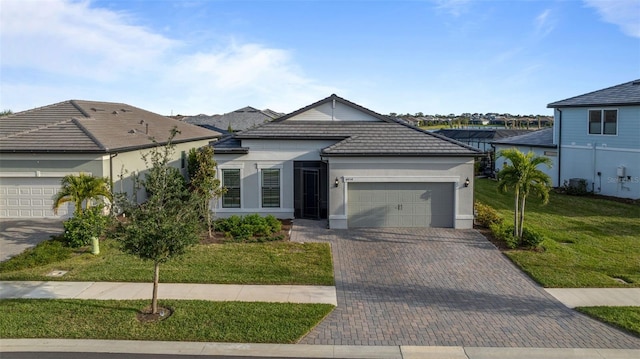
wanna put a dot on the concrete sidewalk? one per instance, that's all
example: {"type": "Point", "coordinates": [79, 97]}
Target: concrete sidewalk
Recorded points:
{"type": "Point", "coordinates": [213, 292]}
{"type": "Point", "coordinates": [592, 297]}
{"type": "Point", "coordinates": [305, 351]}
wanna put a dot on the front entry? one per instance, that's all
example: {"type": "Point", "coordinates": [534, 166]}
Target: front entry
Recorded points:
{"type": "Point", "coordinates": [310, 189]}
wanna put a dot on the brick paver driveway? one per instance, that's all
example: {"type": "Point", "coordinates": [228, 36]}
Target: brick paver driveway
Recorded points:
{"type": "Point", "coordinates": [442, 287]}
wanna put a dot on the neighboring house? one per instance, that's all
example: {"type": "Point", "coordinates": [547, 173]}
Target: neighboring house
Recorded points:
{"type": "Point", "coordinates": [238, 120]}
{"type": "Point", "coordinates": [339, 161]}
{"type": "Point", "coordinates": [598, 137]}
{"type": "Point", "coordinates": [38, 147]}
{"type": "Point", "coordinates": [539, 142]}
{"type": "Point", "coordinates": [480, 138]}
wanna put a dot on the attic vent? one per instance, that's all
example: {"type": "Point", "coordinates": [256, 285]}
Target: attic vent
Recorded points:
{"type": "Point", "coordinates": [636, 82]}
{"type": "Point", "coordinates": [141, 122]}
{"type": "Point", "coordinates": [115, 112]}
{"type": "Point", "coordinates": [95, 109]}
{"type": "Point", "coordinates": [132, 131]}
{"type": "Point", "coordinates": [124, 110]}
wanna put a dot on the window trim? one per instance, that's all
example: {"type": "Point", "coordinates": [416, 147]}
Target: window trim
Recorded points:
{"type": "Point", "coordinates": [222, 170]}
{"type": "Point", "coordinates": [270, 166]}
{"type": "Point", "coordinates": [602, 121]}
{"type": "Point", "coordinates": [231, 166]}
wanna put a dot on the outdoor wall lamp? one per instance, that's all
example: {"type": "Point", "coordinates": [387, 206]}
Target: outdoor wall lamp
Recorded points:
{"type": "Point", "coordinates": [337, 182]}
{"type": "Point", "coordinates": [466, 182]}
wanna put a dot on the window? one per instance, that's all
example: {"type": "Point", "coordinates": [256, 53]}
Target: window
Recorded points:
{"type": "Point", "coordinates": [270, 188]}
{"type": "Point", "coordinates": [603, 122]}
{"type": "Point", "coordinates": [231, 181]}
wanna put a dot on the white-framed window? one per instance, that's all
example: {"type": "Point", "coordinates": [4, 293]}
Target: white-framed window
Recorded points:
{"type": "Point", "coordinates": [231, 180]}
{"type": "Point", "coordinates": [603, 122]}
{"type": "Point", "coordinates": [270, 187]}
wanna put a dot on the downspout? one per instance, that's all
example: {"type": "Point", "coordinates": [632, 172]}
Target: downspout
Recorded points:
{"type": "Point", "coordinates": [559, 147]}
{"type": "Point", "coordinates": [111, 156]}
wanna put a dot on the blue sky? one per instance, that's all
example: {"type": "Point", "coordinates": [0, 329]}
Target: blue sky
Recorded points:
{"type": "Point", "coordinates": [436, 57]}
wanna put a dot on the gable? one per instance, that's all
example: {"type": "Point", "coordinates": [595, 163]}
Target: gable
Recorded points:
{"type": "Point", "coordinates": [334, 111]}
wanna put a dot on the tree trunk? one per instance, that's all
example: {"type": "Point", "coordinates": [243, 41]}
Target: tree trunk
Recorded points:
{"type": "Point", "coordinates": [515, 212]}
{"type": "Point", "coordinates": [156, 280]}
{"type": "Point", "coordinates": [521, 227]}
{"type": "Point", "coordinates": [209, 226]}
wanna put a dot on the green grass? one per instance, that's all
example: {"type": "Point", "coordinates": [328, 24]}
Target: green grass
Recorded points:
{"type": "Point", "coordinates": [627, 318]}
{"type": "Point", "coordinates": [255, 263]}
{"type": "Point", "coordinates": [588, 241]}
{"type": "Point", "coordinates": [191, 321]}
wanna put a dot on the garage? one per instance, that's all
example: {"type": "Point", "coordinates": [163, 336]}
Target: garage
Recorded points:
{"type": "Point", "coordinates": [392, 204]}
{"type": "Point", "coordinates": [30, 198]}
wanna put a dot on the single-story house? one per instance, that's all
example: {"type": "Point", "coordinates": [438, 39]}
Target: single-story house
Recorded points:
{"type": "Point", "coordinates": [339, 161]}
{"type": "Point", "coordinates": [598, 138]}
{"type": "Point", "coordinates": [480, 138]}
{"type": "Point", "coordinates": [40, 146]}
{"type": "Point", "coordinates": [539, 142]}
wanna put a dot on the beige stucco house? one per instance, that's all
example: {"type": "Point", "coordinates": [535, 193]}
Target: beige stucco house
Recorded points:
{"type": "Point", "coordinates": [40, 146]}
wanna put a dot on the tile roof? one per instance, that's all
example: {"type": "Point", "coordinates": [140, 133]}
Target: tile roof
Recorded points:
{"type": "Point", "coordinates": [541, 138]}
{"type": "Point", "coordinates": [239, 120]}
{"type": "Point", "coordinates": [363, 138]}
{"type": "Point", "coordinates": [620, 95]}
{"type": "Point", "coordinates": [480, 134]}
{"type": "Point", "coordinates": [90, 126]}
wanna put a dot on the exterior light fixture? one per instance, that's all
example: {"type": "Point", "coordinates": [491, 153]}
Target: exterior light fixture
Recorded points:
{"type": "Point", "coordinates": [466, 182]}
{"type": "Point", "coordinates": [337, 182]}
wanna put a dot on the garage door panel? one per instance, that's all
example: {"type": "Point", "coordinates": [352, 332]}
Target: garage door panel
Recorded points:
{"type": "Point", "coordinates": [419, 204]}
{"type": "Point", "coordinates": [30, 198]}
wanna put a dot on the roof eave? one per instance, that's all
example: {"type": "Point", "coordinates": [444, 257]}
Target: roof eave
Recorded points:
{"type": "Point", "coordinates": [400, 154]}
{"type": "Point", "coordinates": [558, 105]}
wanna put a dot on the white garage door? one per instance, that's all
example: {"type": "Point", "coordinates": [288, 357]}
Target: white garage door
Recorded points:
{"type": "Point", "coordinates": [30, 198]}
{"type": "Point", "coordinates": [400, 204]}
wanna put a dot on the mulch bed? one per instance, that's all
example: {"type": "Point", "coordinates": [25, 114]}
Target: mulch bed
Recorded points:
{"type": "Point", "coordinates": [219, 237]}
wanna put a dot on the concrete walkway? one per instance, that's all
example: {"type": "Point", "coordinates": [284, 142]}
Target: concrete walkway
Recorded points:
{"type": "Point", "coordinates": [305, 351]}
{"type": "Point", "coordinates": [592, 297]}
{"type": "Point", "coordinates": [213, 292]}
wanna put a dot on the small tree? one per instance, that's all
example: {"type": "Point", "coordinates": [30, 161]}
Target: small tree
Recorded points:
{"type": "Point", "coordinates": [81, 189]}
{"type": "Point", "coordinates": [203, 181]}
{"type": "Point", "coordinates": [166, 224]}
{"type": "Point", "coordinates": [523, 177]}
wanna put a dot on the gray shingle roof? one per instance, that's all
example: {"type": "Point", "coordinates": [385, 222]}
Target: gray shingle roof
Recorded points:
{"type": "Point", "coordinates": [626, 94]}
{"type": "Point", "coordinates": [363, 138]}
{"type": "Point", "coordinates": [239, 120]}
{"type": "Point", "coordinates": [90, 126]}
{"type": "Point", "coordinates": [541, 138]}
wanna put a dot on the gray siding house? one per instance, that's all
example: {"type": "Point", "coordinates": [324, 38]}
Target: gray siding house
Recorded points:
{"type": "Point", "coordinates": [38, 147]}
{"type": "Point", "coordinates": [598, 138]}
{"type": "Point", "coordinates": [339, 161]}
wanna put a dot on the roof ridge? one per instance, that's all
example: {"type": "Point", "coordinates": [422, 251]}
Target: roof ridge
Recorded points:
{"type": "Point", "coordinates": [592, 92]}
{"type": "Point", "coordinates": [93, 138]}
{"type": "Point", "coordinates": [48, 125]}
{"type": "Point", "coordinates": [39, 108]}
{"type": "Point", "coordinates": [330, 98]}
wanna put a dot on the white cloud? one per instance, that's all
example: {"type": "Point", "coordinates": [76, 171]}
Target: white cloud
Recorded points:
{"type": "Point", "coordinates": [544, 23]}
{"type": "Point", "coordinates": [623, 13]}
{"type": "Point", "coordinates": [63, 49]}
{"type": "Point", "coordinates": [453, 7]}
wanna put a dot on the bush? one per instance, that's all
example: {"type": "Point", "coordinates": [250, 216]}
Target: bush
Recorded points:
{"type": "Point", "coordinates": [46, 252]}
{"type": "Point", "coordinates": [531, 238]}
{"type": "Point", "coordinates": [486, 215]}
{"type": "Point", "coordinates": [252, 227]}
{"type": "Point", "coordinates": [504, 232]}
{"type": "Point", "coordinates": [79, 230]}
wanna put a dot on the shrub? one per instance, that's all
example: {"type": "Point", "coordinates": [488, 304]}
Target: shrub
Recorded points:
{"type": "Point", "coordinates": [486, 215]}
{"type": "Point", "coordinates": [46, 252]}
{"type": "Point", "coordinates": [252, 227]}
{"type": "Point", "coordinates": [531, 238]}
{"type": "Point", "coordinates": [504, 232]}
{"type": "Point", "coordinates": [79, 230]}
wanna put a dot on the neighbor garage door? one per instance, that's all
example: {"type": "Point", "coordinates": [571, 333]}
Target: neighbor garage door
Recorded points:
{"type": "Point", "coordinates": [30, 198]}
{"type": "Point", "coordinates": [400, 204]}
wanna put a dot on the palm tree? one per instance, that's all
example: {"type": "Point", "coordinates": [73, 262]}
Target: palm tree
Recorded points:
{"type": "Point", "coordinates": [81, 189]}
{"type": "Point", "coordinates": [524, 178]}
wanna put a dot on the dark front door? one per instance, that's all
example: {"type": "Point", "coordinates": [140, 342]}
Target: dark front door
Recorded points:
{"type": "Point", "coordinates": [311, 189]}
{"type": "Point", "coordinates": [311, 194]}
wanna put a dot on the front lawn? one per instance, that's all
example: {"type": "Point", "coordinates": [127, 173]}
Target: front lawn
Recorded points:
{"type": "Point", "coordinates": [589, 242]}
{"type": "Point", "coordinates": [627, 318]}
{"type": "Point", "coordinates": [236, 263]}
{"type": "Point", "coordinates": [192, 320]}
